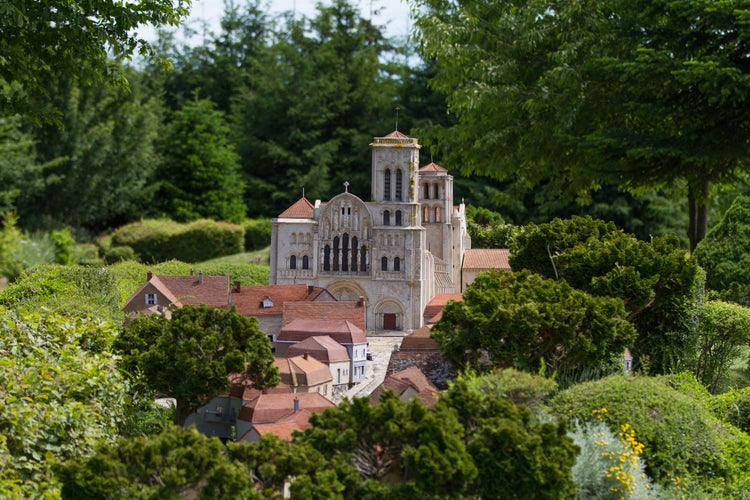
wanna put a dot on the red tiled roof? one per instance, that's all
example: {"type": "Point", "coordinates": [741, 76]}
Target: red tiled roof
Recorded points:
{"type": "Point", "coordinates": [322, 347]}
{"type": "Point", "coordinates": [433, 167]}
{"type": "Point", "coordinates": [300, 209]}
{"type": "Point", "coordinates": [419, 339]}
{"type": "Point", "coordinates": [182, 290]}
{"type": "Point", "coordinates": [437, 303]}
{"type": "Point", "coordinates": [302, 371]}
{"type": "Point", "coordinates": [410, 378]}
{"type": "Point", "coordinates": [270, 408]}
{"type": "Point", "coordinates": [348, 310]}
{"type": "Point", "coordinates": [397, 135]}
{"type": "Point", "coordinates": [342, 331]}
{"type": "Point", "coordinates": [284, 428]}
{"type": "Point", "coordinates": [249, 300]}
{"type": "Point", "coordinates": [486, 258]}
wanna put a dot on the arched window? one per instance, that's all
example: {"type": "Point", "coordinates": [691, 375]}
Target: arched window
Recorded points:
{"type": "Point", "coordinates": [425, 214]}
{"type": "Point", "coordinates": [398, 218]}
{"type": "Point", "coordinates": [327, 258]}
{"type": "Point", "coordinates": [399, 185]}
{"type": "Point", "coordinates": [384, 264]}
{"type": "Point", "coordinates": [437, 191]}
{"type": "Point", "coordinates": [293, 262]}
{"type": "Point", "coordinates": [345, 252]}
{"type": "Point", "coordinates": [387, 184]}
{"type": "Point", "coordinates": [363, 259]}
{"type": "Point", "coordinates": [336, 254]}
{"type": "Point", "coordinates": [437, 214]}
{"type": "Point", "coordinates": [305, 262]}
{"type": "Point", "coordinates": [355, 250]}
{"type": "Point", "coordinates": [387, 218]}
{"type": "Point", "coordinates": [426, 195]}
{"type": "Point", "coordinates": [396, 264]}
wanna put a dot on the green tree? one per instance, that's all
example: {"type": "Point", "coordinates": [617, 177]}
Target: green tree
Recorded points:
{"type": "Point", "coordinates": [190, 356]}
{"type": "Point", "coordinates": [579, 94]}
{"type": "Point", "coordinates": [62, 395]}
{"type": "Point", "coordinates": [534, 459]}
{"type": "Point", "coordinates": [20, 172]}
{"type": "Point", "coordinates": [522, 320]}
{"type": "Point", "coordinates": [723, 331]}
{"type": "Point", "coordinates": [200, 173]}
{"type": "Point", "coordinates": [71, 39]}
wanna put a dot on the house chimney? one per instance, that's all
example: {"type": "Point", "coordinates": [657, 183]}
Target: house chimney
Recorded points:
{"type": "Point", "coordinates": [310, 289]}
{"type": "Point", "coordinates": [149, 275]}
{"type": "Point", "coordinates": [200, 276]}
{"type": "Point", "coordinates": [304, 356]}
{"type": "Point", "coordinates": [296, 404]}
{"type": "Point", "coordinates": [237, 286]}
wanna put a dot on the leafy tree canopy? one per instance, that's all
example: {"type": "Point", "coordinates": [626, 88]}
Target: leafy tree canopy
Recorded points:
{"type": "Point", "coordinates": [522, 320]}
{"type": "Point", "coordinates": [71, 39]}
{"type": "Point", "coordinates": [573, 95]}
{"type": "Point", "coordinates": [190, 356]}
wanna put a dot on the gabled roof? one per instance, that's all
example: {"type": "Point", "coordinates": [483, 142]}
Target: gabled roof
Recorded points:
{"type": "Point", "coordinates": [419, 339]}
{"type": "Point", "coordinates": [302, 371]}
{"type": "Point", "coordinates": [342, 331]}
{"type": "Point", "coordinates": [242, 391]}
{"type": "Point", "coordinates": [347, 310]}
{"type": "Point", "coordinates": [249, 299]}
{"type": "Point", "coordinates": [321, 347]}
{"type": "Point", "coordinates": [486, 258]}
{"type": "Point", "coordinates": [270, 408]}
{"type": "Point", "coordinates": [436, 305]}
{"type": "Point", "coordinates": [300, 209]}
{"type": "Point", "coordinates": [397, 135]}
{"type": "Point", "coordinates": [407, 384]}
{"type": "Point", "coordinates": [181, 290]}
{"type": "Point", "coordinates": [432, 167]}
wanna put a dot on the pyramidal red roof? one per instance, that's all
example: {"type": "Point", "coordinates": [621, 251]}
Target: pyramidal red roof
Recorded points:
{"type": "Point", "coordinates": [433, 167]}
{"type": "Point", "coordinates": [301, 209]}
{"type": "Point", "coordinates": [397, 135]}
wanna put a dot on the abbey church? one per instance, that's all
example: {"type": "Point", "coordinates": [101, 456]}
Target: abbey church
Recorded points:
{"type": "Point", "coordinates": [397, 250]}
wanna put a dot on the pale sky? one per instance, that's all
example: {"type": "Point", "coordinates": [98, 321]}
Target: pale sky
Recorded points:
{"type": "Point", "coordinates": [394, 14]}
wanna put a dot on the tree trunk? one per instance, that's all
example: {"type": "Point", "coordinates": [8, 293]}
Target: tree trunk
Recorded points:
{"type": "Point", "coordinates": [698, 201]}
{"type": "Point", "coordinates": [182, 412]}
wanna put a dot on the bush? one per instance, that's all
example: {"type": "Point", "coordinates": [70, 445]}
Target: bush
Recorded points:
{"type": "Point", "coordinates": [733, 407]}
{"type": "Point", "coordinates": [257, 233]}
{"type": "Point", "coordinates": [683, 440]}
{"type": "Point", "coordinates": [163, 240]}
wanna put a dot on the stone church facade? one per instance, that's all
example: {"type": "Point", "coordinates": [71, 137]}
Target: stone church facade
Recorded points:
{"type": "Point", "coordinates": [397, 250]}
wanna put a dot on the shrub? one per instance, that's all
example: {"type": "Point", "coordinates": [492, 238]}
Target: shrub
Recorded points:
{"type": "Point", "coordinates": [162, 240]}
{"type": "Point", "coordinates": [119, 254]}
{"type": "Point", "coordinates": [733, 407]}
{"type": "Point", "coordinates": [257, 233]}
{"type": "Point", "coordinates": [683, 440]}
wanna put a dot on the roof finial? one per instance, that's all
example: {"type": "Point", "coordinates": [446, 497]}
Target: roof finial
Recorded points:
{"type": "Point", "coordinates": [397, 108]}
{"type": "Point", "coordinates": [346, 186]}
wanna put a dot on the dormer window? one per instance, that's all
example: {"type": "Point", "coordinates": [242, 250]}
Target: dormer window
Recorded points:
{"type": "Point", "coordinates": [267, 302]}
{"type": "Point", "coordinates": [150, 299]}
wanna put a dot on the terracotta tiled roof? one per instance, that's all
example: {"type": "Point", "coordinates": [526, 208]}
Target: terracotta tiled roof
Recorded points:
{"type": "Point", "coordinates": [300, 209]}
{"type": "Point", "coordinates": [283, 429]}
{"type": "Point", "coordinates": [181, 290]}
{"type": "Point", "coordinates": [249, 299]}
{"type": "Point", "coordinates": [270, 408]}
{"type": "Point", "coordinates": [486, 258]}
{"type": "Point", "coordinates": [348, 310]}
{"type": "Point", "coordinates": [397, 135]}
{"type": "Point", "coordinates": [245, 393]}
{"type": "Point", "coordinates": [323, 348]}
{"type": "Point", "coordinates": [400, 382]}
{"type": "Point", "coordinates": [302, 371]}
{"type": "Point", "coordinates": [342, 331]}
{"type": "Point", "coordinates": [437, 303]}
{"type": "Point", "coordinates": [432, 167]}
{"type": "Point", "coordinates": [419, 339]}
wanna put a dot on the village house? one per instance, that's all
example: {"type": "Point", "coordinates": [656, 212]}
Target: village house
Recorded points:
{"type": "Point", "coordinates": [407, 384]}
{"type": "Point", "coordinates": [268, 409]}
{"type": "Point", "coordinates": [304, 373]}
{"type": "Point", "coordinates": [327, 351]}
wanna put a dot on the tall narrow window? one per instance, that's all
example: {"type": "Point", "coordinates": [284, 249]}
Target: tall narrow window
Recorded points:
{"type": "Point", "coordinates": [345, 252]}
{"type": "Point", "coordinates": [387, 184]}
{"type": "Point", "coordinates": [396, 264]}
{"type": "Point", "coordinates": [293, 262]}
{"type": "Point", "coordinates": [387, 218]}
{"type": "Point", "coordinates": [336, 254]}
{"type": "Point", "coordinates": [398, 218]}
{"type": "Point", "coordinates": [437, 191]}
{"type": "Point", "coordinates": [363, 259]}
{"type": "Point", "coordinates": [384, 264]}
{"type": "Point", "coordinates": [437, 214]}
{"type": "Point", "coordinates": [305, 262]}
{"type": "Point", "coordinates": [426, 195]}
{"type": "Point", "coordinates": [355, 244]}
{"type": "Point", "coordinates": [425, 214]}
{"type": "Point", "coordinates": [327, 258]}
{"type": "Point", "coordinates": [399, 185]}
